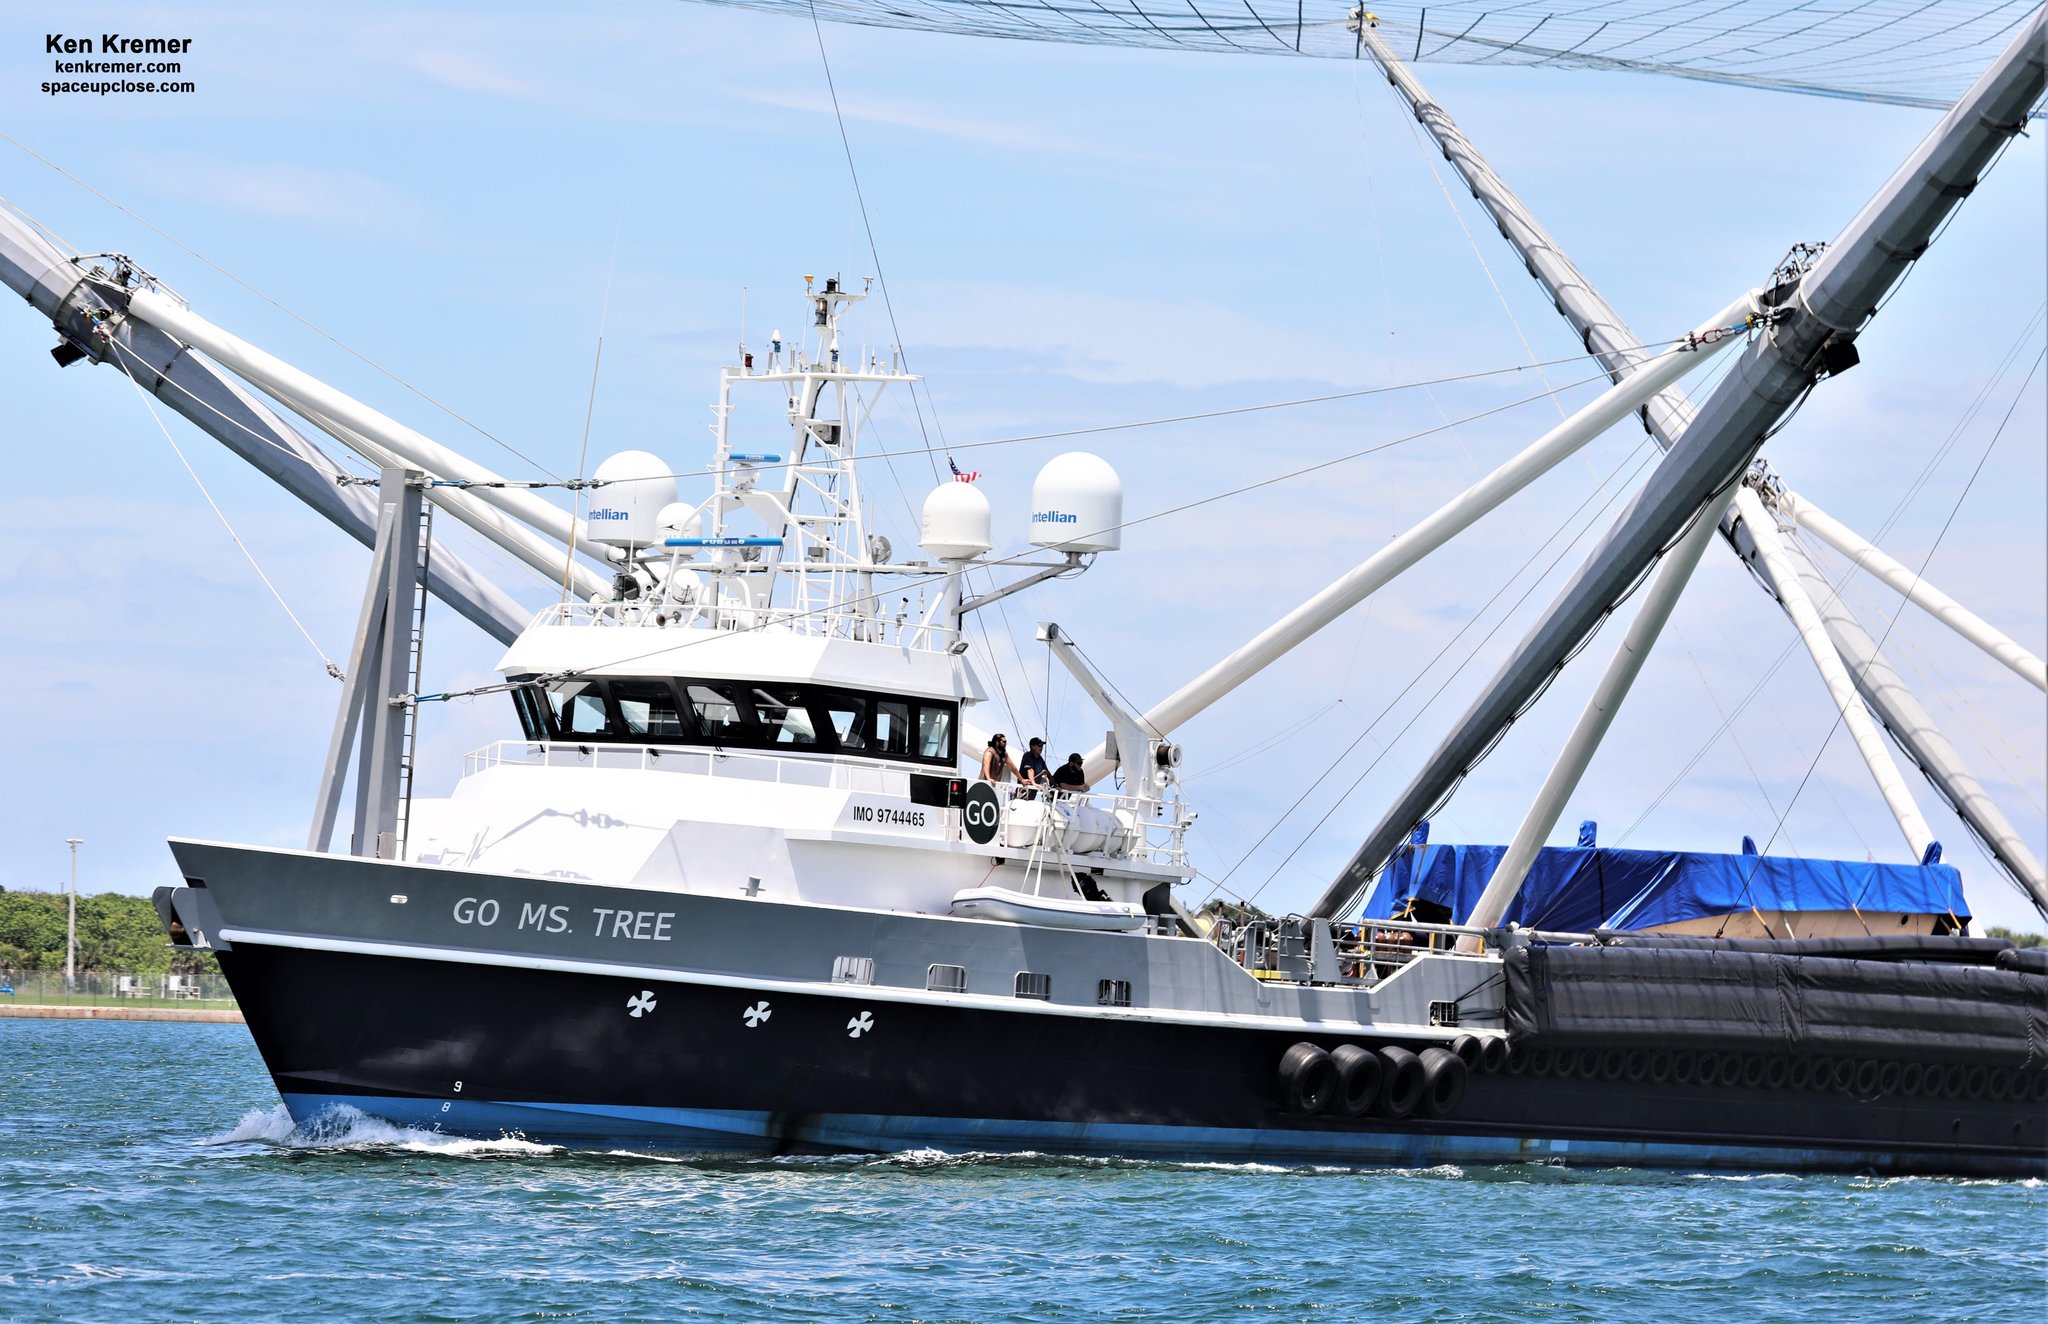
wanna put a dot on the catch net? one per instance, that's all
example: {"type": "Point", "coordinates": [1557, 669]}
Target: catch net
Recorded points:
{"type": "Point", "coordinates": [1902, 52]}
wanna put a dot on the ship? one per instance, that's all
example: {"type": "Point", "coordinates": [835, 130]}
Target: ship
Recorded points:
{"type": "Point", "coordinates": [751, 873]}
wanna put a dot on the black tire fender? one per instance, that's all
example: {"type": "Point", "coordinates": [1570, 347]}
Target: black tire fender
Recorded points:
{"type": "Point", "coordinates": [1466, 1046]}
{"type": "Point", "coordinates": [1493, 1054]}
{"type": "Point", "coordinates": [1400, 1081]}
{"type": "Point", "coordinates": [1306, 1079]}
{"type": "Point", "coordinates": [1358, 1081]}
{"type": "Point", "coordinates": [1443, 1081]}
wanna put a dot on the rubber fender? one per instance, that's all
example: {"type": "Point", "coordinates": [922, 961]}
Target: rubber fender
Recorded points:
{"type": "Point", "coordinates": [1911, 1077]}
{"type": "Point", "coordinates": [1684, 1063]}
{"type": "Point", "coordinates": [1754, 1069]}
{"type": "Point", "coordinates": [1466, 1046]}
{"type": "Point", "coordinates": [1799, 1075]}
{"type": "Point", "coordinates": [2037, 1089]}
{"type": "Point", "coordinates": [1306, 1079]}
{"type": "Point", "coordinates": [1888, 1078]}
{"type": "Point", "coordinates": [1493, 1054]}
{"type": "Point", "coordinates": [1973, 1084]}
{"type": "Point", "coordinates": [1867, 1074]}
{"type": "Point", "coordinates": [1586, 1065]}
{"type": "Point", "coordinates": [1443, 1081]}
{"type": "Point", "coordinates": [1358, 1081]}
{"type": "Point", "coordinates": [1729, 1074]}
{"type": "Point", "coordinates": [1613, 1063]}
{"type": "Point", "coordinates": [1638, 1067]}
{"type": "Point", "coordinates": [1660, 1066]}
{"type": "Point", "coordinates": [1953, 1078]}
{"type": "Point", "coordinates": [1400, 1081]}
{"type": "Point", "coordinates": [1776, 1072]}
{"type": "Point", "coordinates": [1843, 1074]}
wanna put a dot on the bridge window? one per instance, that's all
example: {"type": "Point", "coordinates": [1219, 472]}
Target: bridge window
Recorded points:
{"type": "Point", "coordinates": [577, 708]}
{"type": "Point", "coordinates": [657, 710]}
{"type": "Point", "coordinates": [648, 708]}
{"type": "Point", "coordinates": [784, 717]}
{"type": "Point", "coordinates": [718, 712]}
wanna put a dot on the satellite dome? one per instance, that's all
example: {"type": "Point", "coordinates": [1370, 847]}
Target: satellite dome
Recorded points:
{"type": "Point", "coordinates": [956, 522]}
{"type": "Point", "coordinates": [631, 490]}
{"type": "Point", "coordinates": [1077, 504]}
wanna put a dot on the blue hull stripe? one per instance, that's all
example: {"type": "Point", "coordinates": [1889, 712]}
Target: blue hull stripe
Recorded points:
{"type": "Point", "coordinates": [722, 1131]}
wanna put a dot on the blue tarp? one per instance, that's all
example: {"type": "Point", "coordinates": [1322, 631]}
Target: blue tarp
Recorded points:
{"type": "Point", "coordinates": [1580, 888]}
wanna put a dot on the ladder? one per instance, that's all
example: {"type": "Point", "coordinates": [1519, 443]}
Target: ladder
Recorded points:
{"type": "Point", "coordinates": [416, 643]}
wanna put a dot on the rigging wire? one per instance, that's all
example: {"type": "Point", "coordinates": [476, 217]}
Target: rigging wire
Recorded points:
{"type": "Point", "coordinates": [1897, 611]}
{"type": "Point", "coordinates": [236, 538]}
{"type": "Point", "coordinates": [1163, 513]}
{"type": "Point", "coordinates": [1474, 619]}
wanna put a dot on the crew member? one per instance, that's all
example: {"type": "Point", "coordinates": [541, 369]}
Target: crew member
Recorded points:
{"type": "Point", "coordinates": [1068, 776]}
{"type": "Point", "coordinates": [1032, 771]}
{"type": "Point", "coordinates": [996, 763]}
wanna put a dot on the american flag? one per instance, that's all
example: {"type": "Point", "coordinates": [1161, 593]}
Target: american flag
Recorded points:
{"type": "Point", "coordinates": [962, 475]}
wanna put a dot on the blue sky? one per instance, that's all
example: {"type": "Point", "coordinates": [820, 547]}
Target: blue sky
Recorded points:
{"type": "Point", "coordinates": [1072, 237]}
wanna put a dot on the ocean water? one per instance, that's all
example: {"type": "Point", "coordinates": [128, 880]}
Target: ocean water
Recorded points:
{"type": "Point", "coordinates": [148, 1173]}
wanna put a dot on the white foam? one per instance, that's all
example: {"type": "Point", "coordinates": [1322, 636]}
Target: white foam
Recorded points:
{"type": "Point", "coordinates": [346, 1128]}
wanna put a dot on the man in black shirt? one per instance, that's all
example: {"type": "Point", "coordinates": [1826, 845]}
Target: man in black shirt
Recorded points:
{"type": "Point", "coordinates": [1032, 771]}
{"type": "Point", "coordinates": [1068, 776]}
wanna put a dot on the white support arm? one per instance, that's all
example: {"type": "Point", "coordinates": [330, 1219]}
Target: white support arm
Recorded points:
{"type": "Point", "coordinates": [306, 394]}
{"type": "Point", "coordinates": [1658, 601]}
{"type": "Point", "coordinates": [494, 525]}
{"type": "Point", "coordinates": [1770, 546]}
{"type": "Point", "coordinates": [1449, 520]}
{"type": "Point", "coordinates": [1908, 583]}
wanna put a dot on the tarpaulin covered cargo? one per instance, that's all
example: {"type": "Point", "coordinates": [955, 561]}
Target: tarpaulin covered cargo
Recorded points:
{"type": "Point", "coordinates": [1581, 888]}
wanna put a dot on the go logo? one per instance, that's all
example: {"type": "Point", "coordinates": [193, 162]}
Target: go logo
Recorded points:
{"type": "Point", "coordinates": [981, 813]}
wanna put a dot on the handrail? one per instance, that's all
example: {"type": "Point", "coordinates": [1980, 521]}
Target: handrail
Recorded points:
{"type": "Point", "coordinates": [1141, 832]}
{"type": "Point", "coordinates": [836, 623]}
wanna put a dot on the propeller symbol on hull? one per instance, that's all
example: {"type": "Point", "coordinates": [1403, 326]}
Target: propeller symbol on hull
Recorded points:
{"type": "Point", "coordinates": [756, 1015]}
{"type": "Point", "coordinates": [860, 1025]}
{"type": "Point", "coordinates": [643, 1005]}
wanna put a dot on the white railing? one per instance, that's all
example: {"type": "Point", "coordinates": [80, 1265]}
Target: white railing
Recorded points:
{"type": "Point", "coordinates": [824, 771]}
{"type": "Point", "coordinates": [1087, 824]}
{"type": "Point", "coordinates": [838, 623]}
{"type": "Point", "coordinates": [1082, 825]}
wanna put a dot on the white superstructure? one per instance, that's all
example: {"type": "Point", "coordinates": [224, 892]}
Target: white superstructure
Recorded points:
{"type": "Point", "coordinates": [763, 703]}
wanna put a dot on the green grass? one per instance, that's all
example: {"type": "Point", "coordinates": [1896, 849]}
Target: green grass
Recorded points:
{"type": "Point", "coordinates": [26, 998]}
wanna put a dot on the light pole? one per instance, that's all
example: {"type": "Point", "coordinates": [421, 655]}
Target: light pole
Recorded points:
{"type": "Point", "coordinates": [71, 919]}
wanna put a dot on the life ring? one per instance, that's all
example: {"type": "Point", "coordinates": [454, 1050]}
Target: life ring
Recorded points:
{"type": "Point", "coordinates": [1358, 1081]}
{"type": "Point", "coordinates": [1400, 1081]}
{"type": "Point", "coordinates": [1443, 1081]}
{"type": "Point", "coordinates": [1466, 1046]}
{"type": "Point", "coordinates": [1306, 1079]}
{"type": "Point", "coordinates": [1493, 1054]}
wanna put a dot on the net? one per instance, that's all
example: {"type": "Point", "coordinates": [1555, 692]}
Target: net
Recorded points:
{"type": "Point", "coordinates": [1899, 52]}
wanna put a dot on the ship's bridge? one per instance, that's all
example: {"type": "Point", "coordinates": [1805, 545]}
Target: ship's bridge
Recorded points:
{"type": "Point", "coordinates": [770, 688]}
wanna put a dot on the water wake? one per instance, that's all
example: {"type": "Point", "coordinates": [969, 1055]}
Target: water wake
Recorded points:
{"type": "Point", "coordinates": [346, 1129]}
